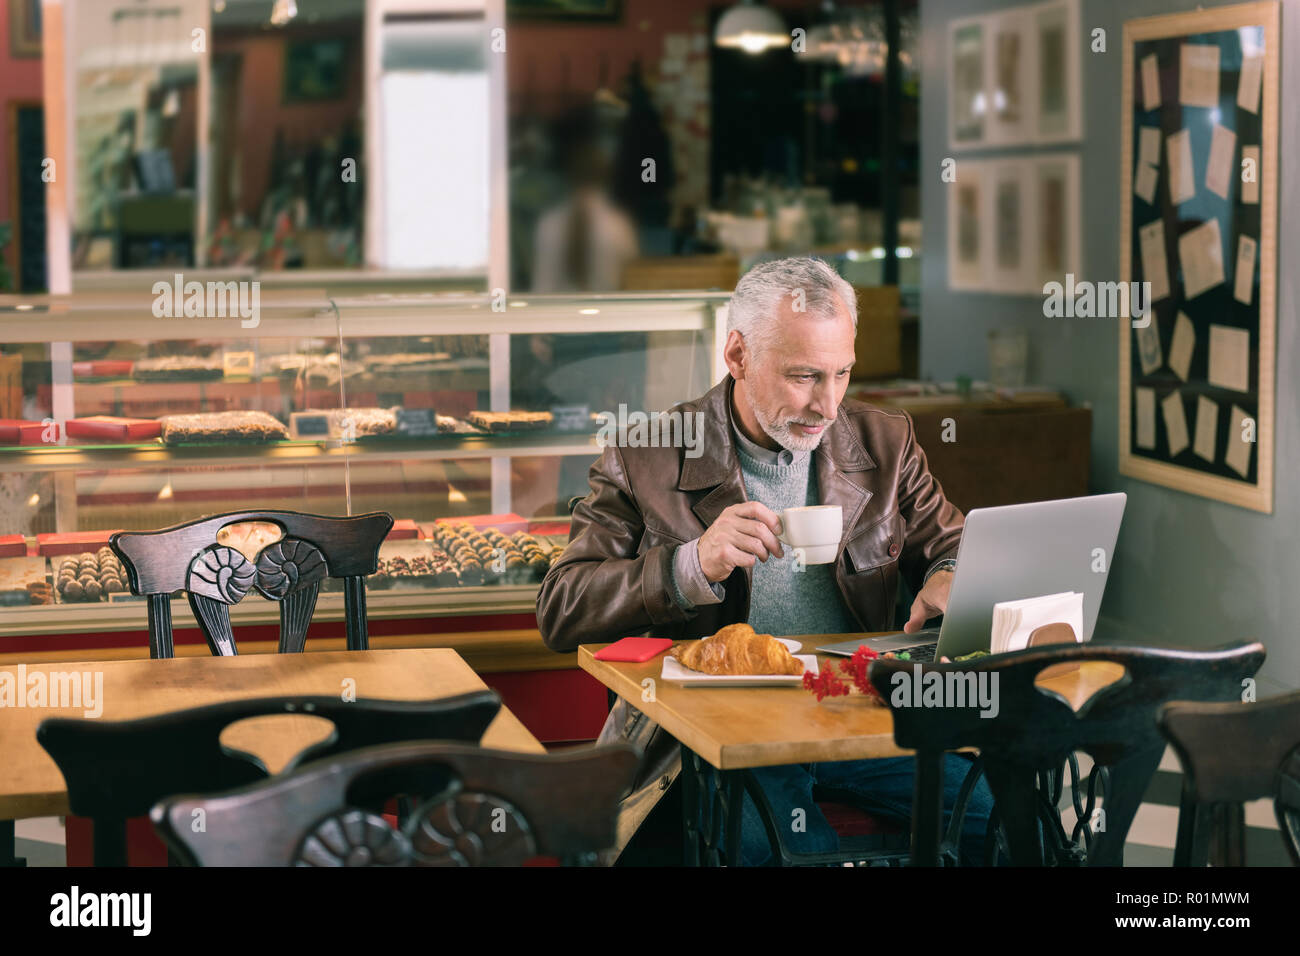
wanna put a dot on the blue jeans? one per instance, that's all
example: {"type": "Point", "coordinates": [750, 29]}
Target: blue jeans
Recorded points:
{"type": "Point", "coordinates": [882, 787]}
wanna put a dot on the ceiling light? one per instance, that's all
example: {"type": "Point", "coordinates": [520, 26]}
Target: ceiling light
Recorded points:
{"type": "Point", "coordinates": [751, 27]}
{"type": "Point", "coordinates": [283, 12]}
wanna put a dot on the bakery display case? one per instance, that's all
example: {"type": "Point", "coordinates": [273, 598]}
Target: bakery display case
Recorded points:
{"type": "Point", "coordinates": [472, 420]}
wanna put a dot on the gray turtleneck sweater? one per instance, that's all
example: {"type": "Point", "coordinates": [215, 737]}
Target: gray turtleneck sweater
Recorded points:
{"type": "Point", "coordinates": [782, 601]}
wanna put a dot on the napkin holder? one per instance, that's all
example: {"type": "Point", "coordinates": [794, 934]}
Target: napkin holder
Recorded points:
{"type": "Point", "coordinates": [1058, 633]}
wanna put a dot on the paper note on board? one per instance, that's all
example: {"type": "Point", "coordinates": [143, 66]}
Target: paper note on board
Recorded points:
{"type": "Point", "coordinates": [1175, 422]}
{"type": "Point", "coordinates": [1243, 284]}
{"type": "Point", "coordinates": [1249, 82]}
{"type": "Point", "coordinates": [1145, 401]}
{"type": "Point", "coordinates": [1150, 82]}
{"type": "Point", "coordinates": [1144, 183]}
{"type": "Point", "coordinates": [1182, 346]}
{"type": "Point", "coordinates": [1237, 452]}
{"type": "Point", "coordinates": [1207, 420]}
{"type": "Point", "coordinates": [1223, 150]}
{"type": "Point", "coordinates": [1229, 365]}
{"type": "Point", "coordinates": [1149, 145]}
{"type": "Point", "coordinates": [1155, 266]}
{"type": "Point", "coordinates": [1149, 348]}
{"type": "Point", "coordinates": [1182, 176]}
{"type": "Point", "coordinates": [1201, 253]}
{"type": "Point", "coordinates": [1250, 173]}
{"type": "Point", "coordinates": [1198, 75]}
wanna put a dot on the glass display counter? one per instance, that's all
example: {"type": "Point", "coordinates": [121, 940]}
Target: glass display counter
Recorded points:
{"type": "Point", "coordinates": [472, 420]}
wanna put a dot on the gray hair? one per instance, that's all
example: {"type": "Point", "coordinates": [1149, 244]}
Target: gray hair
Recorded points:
{"type": "Point", "coordinates": [757, 300]}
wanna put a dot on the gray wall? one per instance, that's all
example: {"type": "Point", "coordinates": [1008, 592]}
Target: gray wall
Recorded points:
{"type": "Point", "coordinates": [1187, 570]}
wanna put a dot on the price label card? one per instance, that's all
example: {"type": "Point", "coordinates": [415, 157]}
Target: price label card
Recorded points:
{"type": "Point", "coordinates": [572, 418]}
{"type": "Point", "coordinates": [416, 422]}
{"type": "Point", "coordinates": [237, 364]}
{"type": "Point", "coordinates": [309, 425]}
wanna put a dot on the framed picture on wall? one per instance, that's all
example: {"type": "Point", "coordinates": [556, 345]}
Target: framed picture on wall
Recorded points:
{"type": "Point", "coordinates": [1058, 59]}
{"type": "Point", "coordinates": [1008, 83]}
{"type": "Point", "coordinates": [1198, 221]}
{"type": "Point", "coordinates": [1015, 76]}
{"type": "Point", "coordinates": [967, 99]}
{"type": "Point", "coordinates": [315, 70]}
{"type": "Point", "coordinates": [1014, 223]}
{"type": "Point", "coordinates": [1009, 225]}
{"type": "Point", "coordinates": [24, 28]}
{"type": "Point", "coordinates": [1055, 204]}
{"type": "Point", "coordinates": [966, 215]}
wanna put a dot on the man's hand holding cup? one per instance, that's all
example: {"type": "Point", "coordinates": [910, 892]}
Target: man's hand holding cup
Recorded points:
{"type": "Point", "coordinates": [741, 535]}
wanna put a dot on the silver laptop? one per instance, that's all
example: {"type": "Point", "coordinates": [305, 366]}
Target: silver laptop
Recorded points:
{"type": "Point", "coordinates": [1013, 552]}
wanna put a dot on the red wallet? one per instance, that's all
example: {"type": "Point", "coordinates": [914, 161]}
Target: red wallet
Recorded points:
{"type": "Point", "coordinates": [634, 649]}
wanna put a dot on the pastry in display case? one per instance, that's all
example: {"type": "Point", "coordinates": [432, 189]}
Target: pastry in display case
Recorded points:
{"type": "Point", "coordinates": [406, 405]}
{"type": "Point", "coordinates": [222, 427]}
{"type": "Point", "coordinates": [24, 581]}
{"type": "Point", "coordinates": [510, 421]}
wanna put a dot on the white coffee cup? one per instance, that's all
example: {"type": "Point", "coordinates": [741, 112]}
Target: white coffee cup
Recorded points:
{"type": "Point", "coordinates": [814, 530]}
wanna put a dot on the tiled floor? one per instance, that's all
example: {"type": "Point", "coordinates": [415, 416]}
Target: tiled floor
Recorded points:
{"type": "Point", "coordinates": [1150, 839]}
{"type": "Point", "coordinates": [1154, 831]}
{"type": "Point", "coordinates": [41, 841]}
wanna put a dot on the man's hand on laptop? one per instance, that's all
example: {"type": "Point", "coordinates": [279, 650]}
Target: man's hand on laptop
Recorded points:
{"type": "Point", "coordinates": [931, 602]}
{"type": "Point", "coordinates": [743, 534]}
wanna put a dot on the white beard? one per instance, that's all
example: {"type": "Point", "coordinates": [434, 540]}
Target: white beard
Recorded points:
{"type": "Point", "coordinates": [781, 433]}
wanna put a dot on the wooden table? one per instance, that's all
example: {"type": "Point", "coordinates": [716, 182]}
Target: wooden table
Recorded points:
{"type": "Point", "coordinates": [31, 784]}
{"type": "Point", "coordinates": [741, 727]}
{"type": "Point", "coordinates": [738, 728]}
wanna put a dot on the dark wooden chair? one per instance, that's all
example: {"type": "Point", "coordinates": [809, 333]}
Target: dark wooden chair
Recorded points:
{"type": "Point", "coordinates": [1232, 753]}
{"type": "Point", "coordinates": [214, 575]}
{"type": "Point", "coordinates": [116, 770]}
{"type": "Point", "coordinates": [1035, 732]}
{"type": "Point", "coordinates": [491, 808]}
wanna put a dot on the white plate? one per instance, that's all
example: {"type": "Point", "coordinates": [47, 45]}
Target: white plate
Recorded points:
{"type": "Point", "coordinates": [678, 674]}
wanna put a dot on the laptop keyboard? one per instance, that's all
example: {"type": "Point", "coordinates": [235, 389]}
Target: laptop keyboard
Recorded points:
{"type": "Point", "coordinates": [922, 654]}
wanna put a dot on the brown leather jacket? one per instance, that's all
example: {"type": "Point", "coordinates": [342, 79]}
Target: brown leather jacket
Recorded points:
{"type": "Point", "coordinates": [613, 579]}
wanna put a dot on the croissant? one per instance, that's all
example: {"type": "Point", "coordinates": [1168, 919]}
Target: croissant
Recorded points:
{"type": "Point", "coordinates": [736, 649]}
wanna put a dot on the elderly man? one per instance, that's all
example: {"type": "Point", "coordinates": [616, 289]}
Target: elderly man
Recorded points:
{"type": "Point", "coordinates": [679, 546]}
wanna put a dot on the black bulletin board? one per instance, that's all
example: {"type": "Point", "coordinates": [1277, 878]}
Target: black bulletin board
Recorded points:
{"type": "Point", "coordinates": [1199, 223]}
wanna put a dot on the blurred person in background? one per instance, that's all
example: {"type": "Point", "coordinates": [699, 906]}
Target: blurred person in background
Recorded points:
{"type": "Point", "coordinates": [580, 245]}
{"type": "Point", "coordinates": [645, 190]}
{"type": "Point", "coordinates": [583, 243]}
